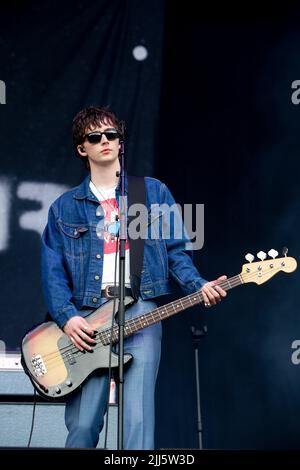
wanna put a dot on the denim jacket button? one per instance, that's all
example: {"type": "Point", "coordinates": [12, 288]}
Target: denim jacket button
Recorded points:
{"type": "Point", "coordinates": [97, 277]}
{"type": "Point", "coordinates": [75, 232]}
{"type": "Point", "coordinates": [98, 256]}
{"type": "Point", "coordinates": [94, 299]}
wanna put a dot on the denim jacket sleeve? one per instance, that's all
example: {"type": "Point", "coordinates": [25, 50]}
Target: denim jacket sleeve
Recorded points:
{"type": "Point", "coordinates": [55, 280]}
{"type": "Point", "coordinates": [181, 266]}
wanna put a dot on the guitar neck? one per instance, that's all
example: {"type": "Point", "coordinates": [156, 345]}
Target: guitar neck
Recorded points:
{"type": "Point", "coordinates": [166, 311]}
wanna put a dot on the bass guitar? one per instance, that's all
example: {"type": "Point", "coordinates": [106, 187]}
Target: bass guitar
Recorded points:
{"type": "Point", "coordinates": [56, 367]}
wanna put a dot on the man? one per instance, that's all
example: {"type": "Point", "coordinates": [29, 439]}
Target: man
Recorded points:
{"type": "Point", "coordinates": [78, 263]}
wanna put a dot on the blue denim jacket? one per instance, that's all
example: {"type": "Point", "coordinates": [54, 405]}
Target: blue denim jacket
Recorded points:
{"type": "Point", "coordinates": [72, 253]}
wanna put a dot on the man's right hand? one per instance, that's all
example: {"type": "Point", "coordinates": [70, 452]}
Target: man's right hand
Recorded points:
{"type": "Point", "coordinates": [79, 332]}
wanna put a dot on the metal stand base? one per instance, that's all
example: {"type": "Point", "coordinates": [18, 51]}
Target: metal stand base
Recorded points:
{"type": "Point", "coordinates": [197, 335]}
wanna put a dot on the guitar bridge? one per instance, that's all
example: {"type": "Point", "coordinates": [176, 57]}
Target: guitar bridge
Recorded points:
{"type": "Point", "coordinates": [38, 365]}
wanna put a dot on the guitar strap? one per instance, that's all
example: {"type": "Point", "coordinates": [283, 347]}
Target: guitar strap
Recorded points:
{"type": "Point", "coordinates": [136, 194]}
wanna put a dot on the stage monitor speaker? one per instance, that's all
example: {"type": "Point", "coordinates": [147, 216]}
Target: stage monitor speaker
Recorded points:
{"type": "Point", "coordinates": [16, 412]}
{"type": "Point", "coordinates": [49, 427]}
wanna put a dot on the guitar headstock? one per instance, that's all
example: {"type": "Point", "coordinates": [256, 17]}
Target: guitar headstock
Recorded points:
{"type": "Point", "coordinates": [261, 271]}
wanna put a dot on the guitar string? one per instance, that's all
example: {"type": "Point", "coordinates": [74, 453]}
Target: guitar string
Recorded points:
{"type": "Point", "coordinates": [166, 310]}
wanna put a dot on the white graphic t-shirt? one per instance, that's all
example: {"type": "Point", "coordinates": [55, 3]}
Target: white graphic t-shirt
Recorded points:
{"type": "Point", "coordinates": [109, 231]}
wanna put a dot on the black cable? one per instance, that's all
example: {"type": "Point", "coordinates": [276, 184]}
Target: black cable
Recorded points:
{"type": "Point", "coordinates": [32, 419]}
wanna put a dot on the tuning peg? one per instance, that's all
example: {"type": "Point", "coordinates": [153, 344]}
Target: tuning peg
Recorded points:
{"type": "Point", "coordinates": [249, 257]}
{"type": "Point", "coordinates": [261, 255]}
{"type": "Point", "coordinates": [273, 253]}
{"type": "Point", "coordinates": [285, 251]}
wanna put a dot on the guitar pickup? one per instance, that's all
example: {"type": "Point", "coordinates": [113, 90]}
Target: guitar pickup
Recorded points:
{"type": "Point", "coordinates": [38, 365]}
{"type": "Point", "coordinates": [71, 359]}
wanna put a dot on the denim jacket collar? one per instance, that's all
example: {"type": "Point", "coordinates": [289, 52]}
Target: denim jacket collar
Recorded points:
{"type": "Point", "coordinates": [83, 190]}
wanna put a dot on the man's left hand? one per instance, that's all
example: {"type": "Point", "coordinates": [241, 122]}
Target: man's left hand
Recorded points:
{"type": "Point", "coordinates": [212, 292]}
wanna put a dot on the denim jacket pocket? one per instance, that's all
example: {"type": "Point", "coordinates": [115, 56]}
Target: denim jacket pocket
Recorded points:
{"type": "Point", "coordinates": [72, 230]}
{"type": "Point", "coordinates": [76, 241]}
{"type": "Point", "coordinates": [155, 253]}
{"type": "Point", "coordinates": [154, 226]}
{"type": "Point", "coordinates": [74, 238]}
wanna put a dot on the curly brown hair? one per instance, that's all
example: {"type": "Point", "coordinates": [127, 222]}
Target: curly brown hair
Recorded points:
{"type": "Point", "coordinates": [89, 118]}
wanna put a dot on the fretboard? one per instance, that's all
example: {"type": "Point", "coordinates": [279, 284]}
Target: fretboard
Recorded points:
{"type": "Point", "coordinates": [160, 313]}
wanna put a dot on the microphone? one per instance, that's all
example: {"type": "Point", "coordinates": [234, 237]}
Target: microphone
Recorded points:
{"type": "Point", "coordinates": [122, 141]}
{"type": "Point", "coordinates": [123, 131]}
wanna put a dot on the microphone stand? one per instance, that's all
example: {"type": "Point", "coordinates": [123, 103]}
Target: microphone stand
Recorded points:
{"type": "Point", "coordinates": [121, 307]}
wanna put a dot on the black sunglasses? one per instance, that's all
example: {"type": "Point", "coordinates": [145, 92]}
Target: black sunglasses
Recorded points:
{"type": "Point", "coordinates": [95, 137]}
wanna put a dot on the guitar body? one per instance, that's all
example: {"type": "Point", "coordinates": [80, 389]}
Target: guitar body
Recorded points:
{"type": "Point", "coordinates": [55, 366]}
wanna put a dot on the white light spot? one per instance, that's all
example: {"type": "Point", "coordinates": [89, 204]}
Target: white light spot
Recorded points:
{"type": "Point", "coordinates": [140, 53]}
{"type": "Point", "coordinates": [44, 193]}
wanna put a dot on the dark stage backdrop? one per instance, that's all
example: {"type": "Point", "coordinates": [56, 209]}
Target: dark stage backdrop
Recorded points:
{"type": "Point", "coordinates": [210, 109]}
{"type": "Point", "coordinates": [56, 58]}
{"type": "Point", "coordinates": [230, 138]}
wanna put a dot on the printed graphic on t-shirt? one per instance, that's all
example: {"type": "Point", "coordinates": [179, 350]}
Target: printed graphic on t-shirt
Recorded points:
{"type": "Point", "coordinates": [107, 229]}
{"type": "Point", "coordinates": [111, 225]}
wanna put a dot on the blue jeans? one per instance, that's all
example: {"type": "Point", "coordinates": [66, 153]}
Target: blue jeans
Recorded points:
{"type": "Point", "coordinates": [85, 409]}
